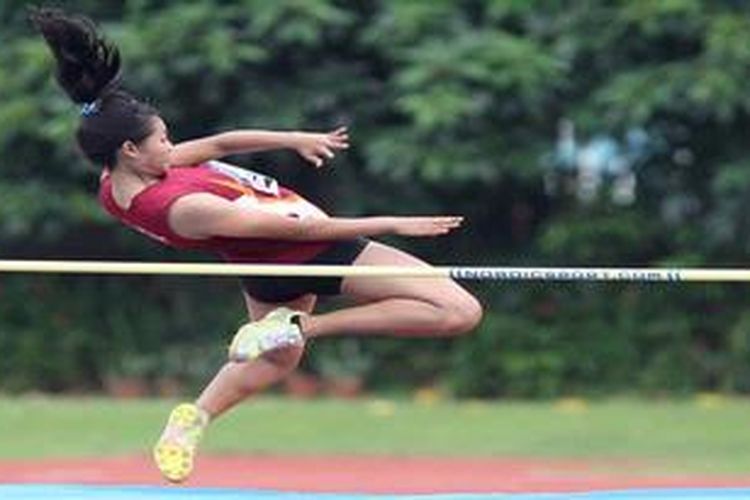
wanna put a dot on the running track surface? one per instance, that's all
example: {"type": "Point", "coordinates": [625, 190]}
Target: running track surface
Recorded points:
{"type": "Point", "coordinates": [72, 492]}
{"type": "Point", "coordinates": [280, 476]}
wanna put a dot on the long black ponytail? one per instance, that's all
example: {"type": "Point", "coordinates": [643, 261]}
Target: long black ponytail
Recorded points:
{"type": "Point", "coordinates": [89, 71]}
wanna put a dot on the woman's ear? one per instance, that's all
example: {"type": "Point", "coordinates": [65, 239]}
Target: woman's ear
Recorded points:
{"type": "Point", "coordinates": [129, 149]}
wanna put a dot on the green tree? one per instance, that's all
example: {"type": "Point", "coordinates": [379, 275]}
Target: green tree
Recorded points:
{"type": "Point", "coordinates": [455, 107]}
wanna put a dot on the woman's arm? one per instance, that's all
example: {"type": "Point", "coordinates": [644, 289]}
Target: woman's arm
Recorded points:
{"type": "Point", "coordinates": [202, 215]}
{"type": "Point", "coordinates": [314, 147]}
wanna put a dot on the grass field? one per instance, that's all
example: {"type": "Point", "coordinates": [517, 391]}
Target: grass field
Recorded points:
{"type": "Point", "coordinates": [709, 434]}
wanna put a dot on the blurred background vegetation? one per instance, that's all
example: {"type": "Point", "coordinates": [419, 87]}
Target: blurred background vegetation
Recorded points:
{"type": "Point", "coordinates": [574, 133]}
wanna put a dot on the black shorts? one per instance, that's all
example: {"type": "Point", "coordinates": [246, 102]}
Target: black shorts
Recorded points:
{"type": "Point", "coordinates": [277, 290]}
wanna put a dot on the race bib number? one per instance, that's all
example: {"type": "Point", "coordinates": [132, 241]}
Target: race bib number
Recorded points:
{"type": "Point", "coordinates": [256, 181]}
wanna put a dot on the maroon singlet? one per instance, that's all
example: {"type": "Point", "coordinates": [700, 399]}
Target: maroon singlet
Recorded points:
{"type": "Point", "coordinates": [149, 209]}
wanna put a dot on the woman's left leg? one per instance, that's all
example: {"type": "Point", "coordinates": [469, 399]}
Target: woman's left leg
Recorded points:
{"type": "Point", "coordinates": [397, 306]}
{"type": "Point", "coordinates": [386, 306]}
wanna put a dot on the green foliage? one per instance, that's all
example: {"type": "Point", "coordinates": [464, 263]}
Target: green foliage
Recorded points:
{"type": "Point", "coordinates": [453, 108]}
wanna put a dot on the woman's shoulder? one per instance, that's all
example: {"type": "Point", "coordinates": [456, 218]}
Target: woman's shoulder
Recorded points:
{"type": "Point", "coordinates": [188, 170]}
{"type": "Point", "coordinates": [105, 192]}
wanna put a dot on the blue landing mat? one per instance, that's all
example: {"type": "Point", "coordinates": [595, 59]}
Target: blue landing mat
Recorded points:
{"type": "Point", "coordinates": [73, 492]}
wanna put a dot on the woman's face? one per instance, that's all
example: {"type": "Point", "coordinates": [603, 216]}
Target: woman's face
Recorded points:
{"type": "Point", "coordinates": [154, 150]}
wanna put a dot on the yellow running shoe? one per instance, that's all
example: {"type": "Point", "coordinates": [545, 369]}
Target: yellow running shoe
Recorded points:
{"type": "Point", "coordinates": [278, 329]}
{"type": "Point", "coordinates": [175, 450]}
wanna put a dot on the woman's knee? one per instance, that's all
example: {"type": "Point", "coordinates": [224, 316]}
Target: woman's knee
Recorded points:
{"type": "Point", "coordinates": [253, 376]}
{"type": "Point", "coordinates": [285, 359]}
{"type": "Point", "coordinates": [460, 315]}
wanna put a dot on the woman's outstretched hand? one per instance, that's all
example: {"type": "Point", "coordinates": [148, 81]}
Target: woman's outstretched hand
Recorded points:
{"type": "Point", "coordinates": [425, 226]}
{"type": "Point", "coordinates": [317, 148]}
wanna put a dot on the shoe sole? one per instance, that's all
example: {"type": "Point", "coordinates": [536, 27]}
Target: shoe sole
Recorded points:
{"type": "Point", "coordinates": [174, 461]}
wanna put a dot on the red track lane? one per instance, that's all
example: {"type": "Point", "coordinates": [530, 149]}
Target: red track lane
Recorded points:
{"type": "Point", "coordinates": [369, 474]}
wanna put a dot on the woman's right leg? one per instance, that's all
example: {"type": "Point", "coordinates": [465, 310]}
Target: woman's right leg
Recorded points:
{"type": "Point", "coordinates": [237, 381]}
{"type": "Point", "coordinates": [176, 448]}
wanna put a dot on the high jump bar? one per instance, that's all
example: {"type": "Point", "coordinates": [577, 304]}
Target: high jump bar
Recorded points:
{"type": "Point", "coordinates": [545, 274]}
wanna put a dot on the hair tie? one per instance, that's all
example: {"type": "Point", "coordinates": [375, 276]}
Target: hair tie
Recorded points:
{"type": "Point", "coordinates": [90, 108]}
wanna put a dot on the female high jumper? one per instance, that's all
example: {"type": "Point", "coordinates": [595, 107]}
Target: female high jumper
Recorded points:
{"type": "Point", "coordinates": [182, 196]}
